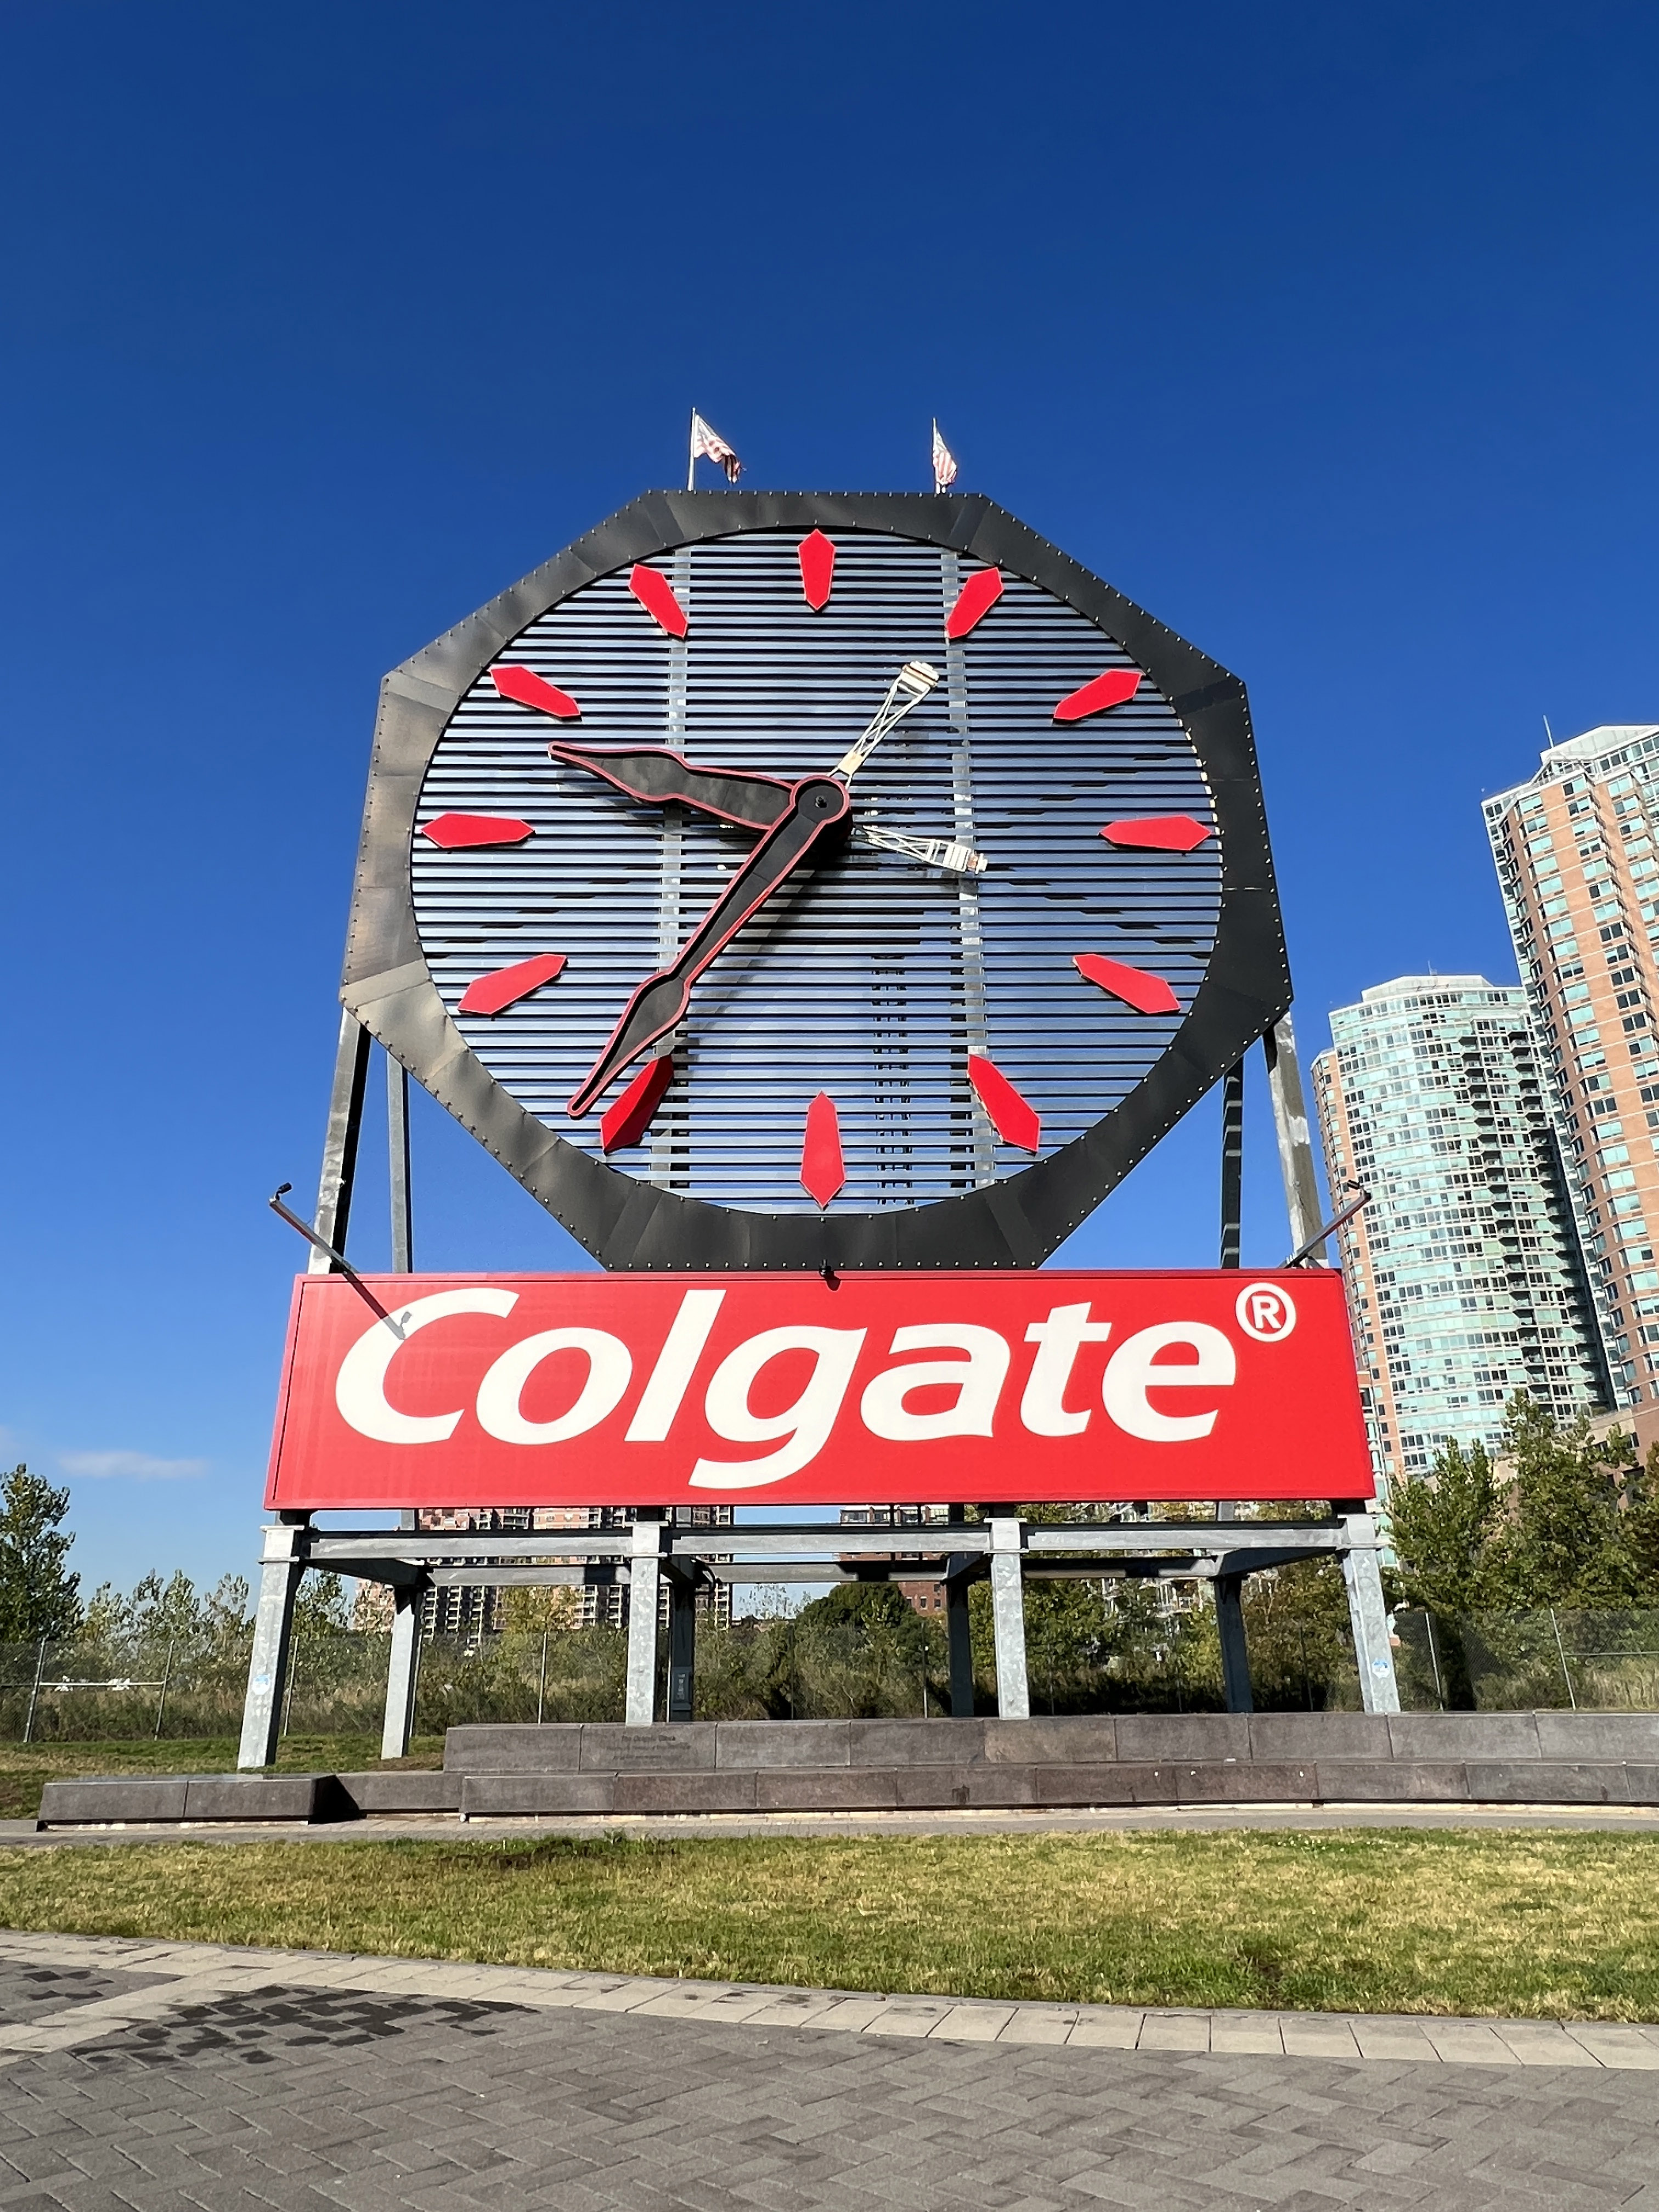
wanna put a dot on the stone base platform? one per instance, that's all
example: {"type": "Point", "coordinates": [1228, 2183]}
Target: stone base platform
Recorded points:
{"type": "Point", "coordinates": [877, 1766]}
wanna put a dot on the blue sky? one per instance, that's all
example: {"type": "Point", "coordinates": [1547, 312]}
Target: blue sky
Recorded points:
{"type": "Point", "coordinates": [1327, 332]}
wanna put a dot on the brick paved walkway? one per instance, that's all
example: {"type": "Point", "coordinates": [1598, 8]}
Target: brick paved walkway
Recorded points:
{"type": "Point", "coordinates": [139, 2077]}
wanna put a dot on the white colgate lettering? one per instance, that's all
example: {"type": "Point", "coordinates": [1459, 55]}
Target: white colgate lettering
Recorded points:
{"type": "Point", "coordinates": [977, 1381]}
{"type": "Point", "coordinates": [610, 1366]}
{"type": "Point", "coordinates": [360, 1386]}
{"type": "Point", "coordinates": [1058, 1340]}
{"type": "Point", "coordinates": [677, 1362]}
{"type": "Point", "coordinates": [806, 1424]}
{"type": "Point", "coordinates": [1130, 1374]}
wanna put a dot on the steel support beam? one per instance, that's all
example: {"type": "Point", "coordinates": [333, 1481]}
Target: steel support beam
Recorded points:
{"type": "Point", "coordinates": [1296, 1159]}
{"type": "Point", "coordinates": [282, 1563]}
{"type": "Point", "coordinates": [958, 1639]}
{"type": "Point", "coordinates": [650, 1540]}
{"type": "Point", "coordinates": [402, 1668]}
{"type": "Point", "coordinates": [682, 1645]}
{"type": "Point", "coordinates": [1379, 1691]}
{"type": "Point", "coordinates": [1234, 1656]}
{"type": "Point", "coordinates": [1008, 1619]}
{"type": "Point", "coordinates": [397, 1145]}
{"type": "Point", "coordinates": [1232, 1163]}
{"type": "Point", "coordinates": [345, 1126]}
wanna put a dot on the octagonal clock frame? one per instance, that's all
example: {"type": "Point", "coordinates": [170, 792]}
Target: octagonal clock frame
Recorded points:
{"type": "Point", "coordinates": [389, 992]}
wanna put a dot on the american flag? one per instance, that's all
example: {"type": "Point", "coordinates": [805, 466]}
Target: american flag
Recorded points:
{"type": "Point", "coordinates": [708, 444]}
{"type": "Point", "coordinates": [944, 463]}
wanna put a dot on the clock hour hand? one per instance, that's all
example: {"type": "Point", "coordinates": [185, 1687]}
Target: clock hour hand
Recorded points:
{"type": "Point", "coordinates": [908, 688]}
{"type": "Point", "coordinates": [652, 772]}
{"type": "Point", "coordinates": [816, 804]}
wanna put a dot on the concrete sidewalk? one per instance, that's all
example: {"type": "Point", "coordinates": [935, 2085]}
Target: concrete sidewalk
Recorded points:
{"type": "Point", "coordinates": [172, 1977]}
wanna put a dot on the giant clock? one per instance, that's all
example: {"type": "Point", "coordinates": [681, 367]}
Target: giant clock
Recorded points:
{"type": "Point", "coordinates": [809, 880]}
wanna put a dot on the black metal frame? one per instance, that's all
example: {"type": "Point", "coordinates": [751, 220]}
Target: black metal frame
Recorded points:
{"type": "Point", "coordinates": [629, 1224]}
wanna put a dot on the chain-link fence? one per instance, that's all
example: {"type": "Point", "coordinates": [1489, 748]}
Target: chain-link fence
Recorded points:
{"type": "Point", "coordinates": [1131, 1655]}
{"type": "Point", "coordinates": [1523, 1661]}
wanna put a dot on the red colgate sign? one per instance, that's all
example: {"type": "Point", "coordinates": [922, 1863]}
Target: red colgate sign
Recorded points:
{"type": "Point", "coordinates": [656, 1390]}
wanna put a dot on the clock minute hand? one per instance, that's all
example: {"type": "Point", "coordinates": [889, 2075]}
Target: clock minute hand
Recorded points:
{"type": "Point", "coordinates": [659, 1004]}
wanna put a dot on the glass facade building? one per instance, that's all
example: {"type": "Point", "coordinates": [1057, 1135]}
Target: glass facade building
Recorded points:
{"type": "Point", "coordinates": [1464, 1275]}
{"type": "Point", "coordinates": [1578, 866]}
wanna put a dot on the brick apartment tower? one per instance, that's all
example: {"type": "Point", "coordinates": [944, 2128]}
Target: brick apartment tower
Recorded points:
{"type": "Point", "coordinates": [1464, 1283]}
{"type": "Point", "coordinates": [1579, 870]}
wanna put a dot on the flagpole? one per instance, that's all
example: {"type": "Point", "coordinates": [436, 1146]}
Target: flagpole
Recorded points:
{"type": "Point", "coordinates": [691, 453]}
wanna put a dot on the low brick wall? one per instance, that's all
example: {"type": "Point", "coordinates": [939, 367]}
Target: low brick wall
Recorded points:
{"type": "Point", "coordinates": [869, 1765]}
{"type": "Point", "coordinates": [857, 1765]}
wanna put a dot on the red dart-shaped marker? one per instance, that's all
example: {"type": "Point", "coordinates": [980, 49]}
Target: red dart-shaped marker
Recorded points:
{"type": "Point", "coordinates": [656, 595]}
{"type": "Point", "coordinates": [530, 689]}
{"type": "Point", "coordinates": [822, 1170]}
{"type": "Point", "coordinates": [493, 994]}
{"type": "Point", "coordinates": [1013, 1118]}
{"type": "Point", "coordinates": [1110, 690]}
{"type": "Point", "coordinates": [1162, 833]}
{"type": "Point", "coordinates": [627, 1122]}
{"type": "Point", "coordinates": [450, 832]}
{"type": "Point", "coordinates": [975, 599]}
{"type": "Point", "coordinates": [1146, 994]}
{"type": "Point", "coordinates": [817, 569]}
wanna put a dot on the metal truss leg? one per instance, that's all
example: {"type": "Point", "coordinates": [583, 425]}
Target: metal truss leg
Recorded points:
{"type": "Point", "coordinates": [1008, 1619]}
{"type": "Point", "coordinates": [400, 1673]}
{"type": "Point", "coordinates": [1296, 1159]}
{"type": "Point", "coordinates": [1235, 1657]}
{"type": "Point", "coordinates": [958, 1640]}
{"type": "Point", "coordinates": [283, 1562]}
{"type": "Point", "coordinates": [682, 1645]}
{"type": "Point", "coordinates": [1379, 1690]}
{"type": "Point", "coordinates": [645, 1571]}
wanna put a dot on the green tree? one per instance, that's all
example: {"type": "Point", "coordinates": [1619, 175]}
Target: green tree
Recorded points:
{"type": "Point", "coordinates": [1564, 1541]}
{"type": "Point", "coordinates": [1445, 1526]}
{"type": "Point", "coordinates": [37, 1595]}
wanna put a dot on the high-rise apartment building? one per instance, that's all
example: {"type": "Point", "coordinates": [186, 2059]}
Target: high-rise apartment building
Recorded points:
{"type": "Point", "coordinates": [1579, 870]}
{"type": "Point", "coordinates": [474, 1609]}
{"type": "Point", "coordinates": [1464, 1283]}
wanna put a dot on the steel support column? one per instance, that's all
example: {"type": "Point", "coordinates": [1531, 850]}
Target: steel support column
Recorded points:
{"type": "Point", "coordinates": [1379, 1691]}
{"type": "Point", "coordinates": [282, 1563]}
{"type": "Point", "coordinates": [958, 1635]}
{"type": "Point", "coordinates": [1296, 1159]}
{"type": "Point", "coordinates": [401, 1671]}
{"type": "Point", "coordinates": [1008, 1617]}
{"type": "Point", "coordinates": [681, 1643]}
{"type": "Point", "coordinates": [346, 1124]}
{"type": "Point", "coordinates": [397, 1145]}
{"type": "Point", "coordinates": [645, 1575]}
{"type": "Point", "coordinates": [1234, 1655]}
{"type": "Point", "coordinates": [1232, 1163]}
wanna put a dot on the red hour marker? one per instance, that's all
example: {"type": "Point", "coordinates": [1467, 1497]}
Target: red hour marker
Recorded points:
{"type": "Point", "coordinates": [493, 994]}
{"type": "Point", "coordinates": [1146, 994]}
{"type": "Point", "coordinates": [530, 689]}
{"type": "Point", "coordinates": [817, 569]}
{"type": "Point", "coordinates": [1110, 690]}
{"type": "Point", "coordinates": [450, 832]}
{"type": "Point", "coordinates": [627, 1122]}
{"type": "Point", "coordinates": [1014, 1119]}
{"type": "Point", "coordinates": [975, 599]}
{"type": "Point", "coordinates": [822, 1170]}
{"type": "Point", "coordinates": [1162, 833]}
{"type": "Point", "coordinates": [656, 595]}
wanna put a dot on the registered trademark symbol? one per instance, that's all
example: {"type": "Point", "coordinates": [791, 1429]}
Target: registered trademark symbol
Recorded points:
{"type": "Point", "coordinates": [1265, 1312]}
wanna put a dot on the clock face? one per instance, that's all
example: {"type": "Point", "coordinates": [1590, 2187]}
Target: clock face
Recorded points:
{"type": "Point", "coordinates": [922, 999]}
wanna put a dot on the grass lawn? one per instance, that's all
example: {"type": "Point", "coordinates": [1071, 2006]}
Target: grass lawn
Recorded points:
{"type": "Point", "coordinates": [26, 1768]}
{"type": "Point", "coordinates": [1555, 1925]}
